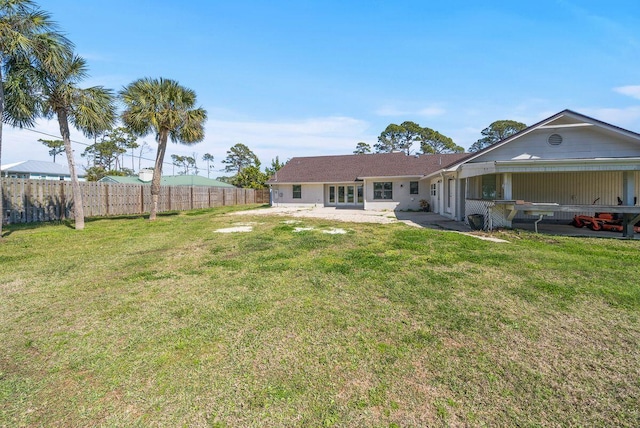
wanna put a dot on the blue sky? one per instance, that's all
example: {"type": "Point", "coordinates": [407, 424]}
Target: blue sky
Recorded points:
{"type": "Point", "coordinates": [303, 78]}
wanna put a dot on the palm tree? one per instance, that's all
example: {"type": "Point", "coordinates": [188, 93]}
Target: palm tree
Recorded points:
{"type": "Point", "coordinates": [165, 108]}
{"type": "Point", "coordinates": [53, 92]}
{"type": "Point", "coordinates": [90, 110]}
{"type": "Point", "coordinates": [27, 33]}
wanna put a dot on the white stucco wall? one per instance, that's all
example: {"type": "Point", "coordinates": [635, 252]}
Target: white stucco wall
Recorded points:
{"type": "Point", "coordinates": [316, 194]}
{"type": "Point", "coordinates": [402, 200]}
{"type": "Point", "coordinates": [312, 194]}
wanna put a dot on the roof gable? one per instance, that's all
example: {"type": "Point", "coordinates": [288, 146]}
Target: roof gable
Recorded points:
{"type": "Point", "coordinates": [583, 137]}
{"type": "Point", "coordinates": [350, 168]}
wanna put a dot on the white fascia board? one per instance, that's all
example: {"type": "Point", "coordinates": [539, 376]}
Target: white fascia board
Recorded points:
{"type": "Point", "coordinates": [298, 182]}
{"type": "Point", "coordinates": [549, 165]}
{"type": "Point", "coordinates": [561, 165]}
{"type": "Point", "coordinates": [277, 183]}
{"type": "Point", "coordinates": [406, 177]}
{"type": "Point", "coordinates": [478, 168]}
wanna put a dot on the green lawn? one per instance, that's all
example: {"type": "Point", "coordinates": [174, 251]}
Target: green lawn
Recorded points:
{"type": "Point", "coordinates": [133, 323]}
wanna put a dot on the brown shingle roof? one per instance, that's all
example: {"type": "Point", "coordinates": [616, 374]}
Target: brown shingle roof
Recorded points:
{"type": "Point", "coordinates": [349, 168]}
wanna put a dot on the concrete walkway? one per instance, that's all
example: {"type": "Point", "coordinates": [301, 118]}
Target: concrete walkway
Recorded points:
{"type": "Point", "coordinates": [431, 221]}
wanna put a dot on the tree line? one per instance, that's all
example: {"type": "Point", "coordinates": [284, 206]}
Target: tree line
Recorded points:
{"type": "Point", "coordinates": [401, 138]}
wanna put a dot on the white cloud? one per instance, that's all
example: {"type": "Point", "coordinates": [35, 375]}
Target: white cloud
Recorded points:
{"type": "Point", "coordinates": [430, 111]}
{"type": "Point", "coordinates": [390, 111]}
{"type": "Point", "coordinates": [631, 90]}
{"type": "Point", "coordinates": [309, 137]}
{"type": "Point", "coordinates": [628, 117]}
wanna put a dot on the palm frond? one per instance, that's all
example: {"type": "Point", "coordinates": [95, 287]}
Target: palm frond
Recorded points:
{"type": "Point", "coordinates": [93, 110]}
{"type": "Point", "coordinates": [21, 103]}
{"type": "Point", "coordinates": [162, 105]}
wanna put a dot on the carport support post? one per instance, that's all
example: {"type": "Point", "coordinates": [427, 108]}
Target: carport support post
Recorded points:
{"type": "Point", "coordinates": [507, 186]}
{"type": "Point", "coordinates": [628, 195]}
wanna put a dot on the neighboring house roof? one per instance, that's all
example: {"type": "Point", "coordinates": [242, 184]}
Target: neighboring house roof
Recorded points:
{"type": "Point", "coordinates": [120, 180]}
{"type": "Point", "coordinates": [39, 167]}
{"type": "Point", "coordinates": [169, 180]}
{"type": "Point", "coordinates": [349, 168]}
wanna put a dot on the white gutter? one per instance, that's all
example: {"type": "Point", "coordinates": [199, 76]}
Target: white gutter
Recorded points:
{"type": "Point", "coordinates": [419, 177]}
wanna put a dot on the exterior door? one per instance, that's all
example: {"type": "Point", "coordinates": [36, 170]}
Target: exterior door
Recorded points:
{"type": "Point", "coordinates": [450, 195]}
{"type": "Point", "coordinates": [351, 194]}
{"type": "Point", "coordinates": [347, 194]}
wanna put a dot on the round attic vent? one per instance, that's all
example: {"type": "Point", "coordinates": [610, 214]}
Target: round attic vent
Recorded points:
{"type": "Point", "coordinates": [555, 139]}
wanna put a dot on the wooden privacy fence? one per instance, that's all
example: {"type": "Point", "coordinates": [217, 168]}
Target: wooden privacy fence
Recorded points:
{"type": "Point", "coordinates": [30, 201]}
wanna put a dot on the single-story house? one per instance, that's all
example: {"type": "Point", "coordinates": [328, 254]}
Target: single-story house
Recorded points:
{"type": "Point", "coordinates": [39, 170]}
{"type": "Point", "coordinates": [145, 176]}
{"type": "Point", "coordinates": [381, 181]}
{"type": "Point", "coordinates": [564, 165]}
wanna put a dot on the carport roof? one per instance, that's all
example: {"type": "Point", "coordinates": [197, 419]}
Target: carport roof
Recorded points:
{"type": "Point", "coordinates": [350, 168]}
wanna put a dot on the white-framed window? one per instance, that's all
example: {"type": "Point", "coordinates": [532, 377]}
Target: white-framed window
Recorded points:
{"type": "Point", "coordinates": [434, 189]}
{"type": "Point", "coordinates": [413, 188]}
{"type": "Point", "coordinates": [297, 191]}
{"type": "Point", "coordinates": [383, 190]}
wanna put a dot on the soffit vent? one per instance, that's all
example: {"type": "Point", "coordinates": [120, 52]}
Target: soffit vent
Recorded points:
{"type": "Point", "coordinates": [555, 139]}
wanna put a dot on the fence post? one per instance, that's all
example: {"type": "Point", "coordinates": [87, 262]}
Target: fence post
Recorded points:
{"type": "Point", "coordinates": [63, 202]}
{"type": "Point", "coordinates": [106, 199]}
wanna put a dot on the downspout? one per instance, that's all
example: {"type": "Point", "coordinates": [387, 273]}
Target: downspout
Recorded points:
{"type": "Point", "coordinates": [364, 194]}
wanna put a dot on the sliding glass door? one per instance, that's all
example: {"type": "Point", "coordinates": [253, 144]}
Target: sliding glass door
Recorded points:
{"type": "Point", "coordinates": [347, 194]}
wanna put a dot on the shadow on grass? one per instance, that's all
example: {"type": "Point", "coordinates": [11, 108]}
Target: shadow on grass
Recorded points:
{"type": "Point", "coordinates": [8, 229]}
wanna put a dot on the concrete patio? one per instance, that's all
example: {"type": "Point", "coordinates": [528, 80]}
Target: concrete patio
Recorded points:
{"type": "Point", "coordinates": [421, 219]}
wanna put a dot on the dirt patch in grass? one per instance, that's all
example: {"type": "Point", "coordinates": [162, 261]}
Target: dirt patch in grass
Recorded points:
{"type": "Point", "coordinates": [235, 229]}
